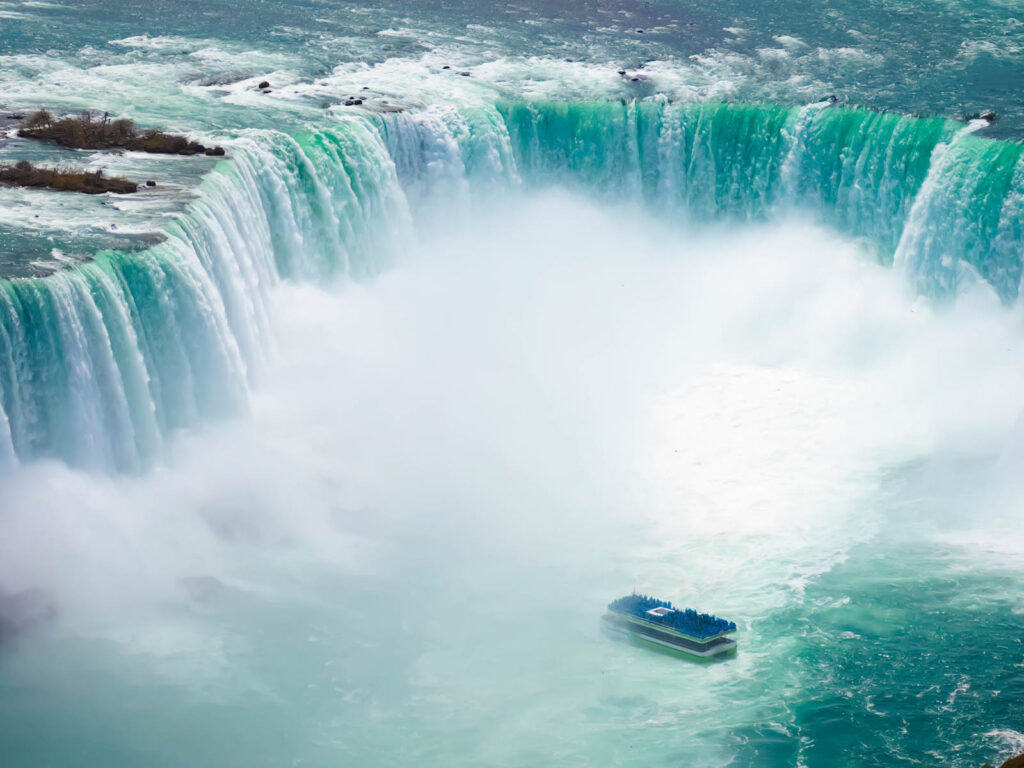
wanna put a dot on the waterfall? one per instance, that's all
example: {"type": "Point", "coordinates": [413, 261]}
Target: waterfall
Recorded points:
{"type": "Point", "coordinates": [99, 364]}
{"type": "Point", "coordinates": [967, 220]}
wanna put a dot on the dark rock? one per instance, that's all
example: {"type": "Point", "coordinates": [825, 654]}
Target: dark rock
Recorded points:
{"type": "Point", "coordinates": [266, 90]}
{"type": "Point", "coordinates": [215, 151]}
{"type": "Point", "coordinates": [263, 84]}
{"type": "Point", "coordinates": [622, 72]}
{"type": "Point", "coordinates": [446, 66]}
{"type": "Point", "coordinates": [989, 115]}
{"type": "Point", "coordinates": [464, 74]}
{"type": "Point", "coordinates": [635, 79]}
{"type": "Point", "coordinates": [150, 183]}
{"type": "Point", "coordinates": [639, 31]}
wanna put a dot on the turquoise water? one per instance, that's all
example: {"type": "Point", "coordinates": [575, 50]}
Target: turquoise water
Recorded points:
{"type": "Point", "coordinates": [333, 451]}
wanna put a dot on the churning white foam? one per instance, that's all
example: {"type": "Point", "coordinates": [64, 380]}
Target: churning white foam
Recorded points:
{"type": "Point", "coordinates": [554, 365]}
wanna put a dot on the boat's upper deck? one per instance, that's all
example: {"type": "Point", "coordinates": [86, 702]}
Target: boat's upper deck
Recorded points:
{"type": "Point", "coordinates": [660, 614]}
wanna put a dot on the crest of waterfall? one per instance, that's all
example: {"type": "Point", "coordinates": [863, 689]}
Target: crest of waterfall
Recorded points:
{"type": "Point", "coordinates": [100, 363]}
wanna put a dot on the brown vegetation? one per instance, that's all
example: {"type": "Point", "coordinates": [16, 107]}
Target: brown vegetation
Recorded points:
{"type": "Point", "coordinates": [24, 174]}
{"type": "Point", "coordinates": [88, 132]}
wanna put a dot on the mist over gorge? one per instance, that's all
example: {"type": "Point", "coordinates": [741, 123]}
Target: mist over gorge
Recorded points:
{"type": "Point", "coordinates": [342, 459]}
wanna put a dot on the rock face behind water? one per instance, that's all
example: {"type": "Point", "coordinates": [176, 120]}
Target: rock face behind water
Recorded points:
{"type": "Point", "coordinates": [203, 589]}
{"type": "Point", "coordinates": [20, 611]}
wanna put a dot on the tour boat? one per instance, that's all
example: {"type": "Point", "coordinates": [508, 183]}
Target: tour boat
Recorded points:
{"type": "Point", "coordinates": [652, 622]}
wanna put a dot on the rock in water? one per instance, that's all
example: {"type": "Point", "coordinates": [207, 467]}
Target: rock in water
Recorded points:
{"type": "Point", "coordinates": [1013, 762]}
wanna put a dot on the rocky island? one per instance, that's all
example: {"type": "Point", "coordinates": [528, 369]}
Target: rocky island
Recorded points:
{"type": "Point", "coordinates": [87, 131]}
{"type": "Point", "coordinates": [24, 174]}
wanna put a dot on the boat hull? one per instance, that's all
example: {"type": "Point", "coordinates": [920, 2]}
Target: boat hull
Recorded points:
{"type": "Point", "coordinates": [659, 639]}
